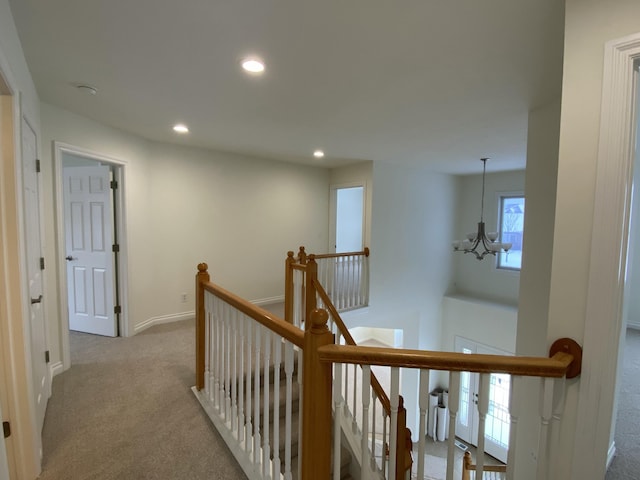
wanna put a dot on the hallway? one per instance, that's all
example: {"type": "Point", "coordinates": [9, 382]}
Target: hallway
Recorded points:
{"type": "Point", "coordinates": [125, 410]}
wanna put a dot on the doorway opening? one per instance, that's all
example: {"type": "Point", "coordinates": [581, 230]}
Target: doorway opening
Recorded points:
{"type": "Point", "coordinates": [347, 213]}
{"type": "Point", "coordinates": [91, 243]}
{"type": "Point", "coordinates": [498, 420]}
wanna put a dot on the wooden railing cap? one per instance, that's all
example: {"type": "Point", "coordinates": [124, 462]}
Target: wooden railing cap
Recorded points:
{"type": "Point", "coordinates": [202, 267]}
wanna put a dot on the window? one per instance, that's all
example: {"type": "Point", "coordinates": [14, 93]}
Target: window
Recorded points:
{"type": "Point", "coordinates": [511, 229]}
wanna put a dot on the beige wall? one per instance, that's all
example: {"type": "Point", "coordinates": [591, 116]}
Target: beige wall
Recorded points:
{"type": "Point", "coordinates": [185, 205]}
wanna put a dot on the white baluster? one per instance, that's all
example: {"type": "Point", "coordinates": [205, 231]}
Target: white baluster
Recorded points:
{"type": "Point", "coordinates": [207, 346]}
{"type": "Point", "coordinates": [241, 375]}
{"type": "Point", "coordinates": [393, 427]}
{"type": "Point", "coordinates": [385, 439]}
{"type": "Point", "coordinates": [266, 448]}
{"type": "Point", "coordinates": [423, 403]}
{"type": "Point", "coordinates": [220, 361]}
{"type": "Point", "coordinates": [366, 396]}
{"type": "Point", "coordinates": [366, 280]}
{"type": "Point", "coordinates": [483, 408]}
{"type": "Point", "coordinates": [215, 366]}
{"type": "Point", "coordinates": [354, 410]}
{"type": "Point", "coordinates": [288, 371]}
{"type": "Point", "coordinates": [249, 350]}
{"type": "Point", "coordinates": [514, 412]}
{"type": "Point", "coordinates": [301, 396]}
{"type": "Point", "coordinates": [374, 432]}
{"type": "Point", "coordinates": [256, 394]}
{"type": "Point", "coordinates": [337, 415]}
{"type": "Point", "coordinates": [277, 354]}
{"type": "Point", "coordinates": [546, 411]}
{"type": "Point", "coordinates": [454, 402]}
{"type": "Point", "coordinates": [234, 367]}
{"type": "Point", "coordinates": [559, 395]}
{"type": "Point", "coordinates": [227, 362]}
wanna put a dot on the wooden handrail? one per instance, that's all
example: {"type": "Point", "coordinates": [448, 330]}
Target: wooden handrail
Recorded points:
{"type": "Point", "coordinates": [344, 331]}
{"type": "Point", "coordinates": [267, 319]}
{"type": "Point", "coordinates": [556, 366]}
{"type": "Point", "coordinates": [365, 253]}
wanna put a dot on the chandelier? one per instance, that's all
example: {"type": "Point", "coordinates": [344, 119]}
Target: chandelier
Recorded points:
{"type": "Point", "coordinates": [480, 243]}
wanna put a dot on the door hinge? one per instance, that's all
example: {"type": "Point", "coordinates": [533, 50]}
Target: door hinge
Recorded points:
{"type": "Point", "coordinates": [117, 309]}
{"type": "Point", "coordinates": [46, 356]}
{"type": "Point", "coordinates": [37, 165]}
{"type": "Point", "coordinates": [41, 263]}
{"type": "Point", "coordinates": [6, 429]}
{"type": "Point", "coordinates": [114, 184]}
{"type": "Point", "coordinates": [115, 248]}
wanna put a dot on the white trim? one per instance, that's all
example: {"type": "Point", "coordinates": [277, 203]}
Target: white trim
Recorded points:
{"type": "Point", "coordinates": [174, 317]}
{"type": "Point", "coordinates": [635, 326]}
{"type": "Point", "coordinates": [603, 322]}
{"type": "Point", "coordinates": [242, 456]}
{"type": "Point", "coordinates": [121, 214]}
{"type": "Point", "coordinates": [610, 454]}
{"type": "Point", "coordinates": [268, 301]}
{"type": "Point", "coordinates": [333, 206]}
{"type": "Point", "coordinates": [56, 369]}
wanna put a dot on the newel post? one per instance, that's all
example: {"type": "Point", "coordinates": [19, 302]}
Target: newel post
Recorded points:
{"type": "Point", "coordinates": [201, 277]}
{"type": "Point", "coordinates": [311, 275]}
{"type": "Point", "coordinates": [288, 287]}
{"type": "Point", "coordinates": [302, 256]}
{"type": "Point", "coordinates": [316, 400]}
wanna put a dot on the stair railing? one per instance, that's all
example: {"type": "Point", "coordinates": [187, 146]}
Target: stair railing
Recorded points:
{"type": "Point", "coordinates": [239, 349]}
{"type": "Point", "coordinates": [369, 417]}
{"type": "Point", "coordinates": [345, 277]}
{"type": "Point", "coordinates": [564, 362]}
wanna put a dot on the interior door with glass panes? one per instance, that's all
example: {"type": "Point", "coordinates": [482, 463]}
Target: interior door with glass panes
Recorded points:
{"type": "Point", "coordinates": [498, 420]}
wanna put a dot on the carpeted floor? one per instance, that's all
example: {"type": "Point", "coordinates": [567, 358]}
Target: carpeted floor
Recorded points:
{"type": "Point", "coordinates": [626, 464]}
{"type": "Point", "coordinates": [125, 411]}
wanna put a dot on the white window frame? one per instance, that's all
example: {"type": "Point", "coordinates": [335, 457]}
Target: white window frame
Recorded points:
{"type": "Point", "coordinates": [500, 199]}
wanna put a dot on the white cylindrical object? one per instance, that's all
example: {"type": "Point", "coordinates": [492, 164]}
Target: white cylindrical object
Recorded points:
{"type": "Point", "coordinates": [433, 406]}
{"type": "Point", "coordinates": [442, 424]}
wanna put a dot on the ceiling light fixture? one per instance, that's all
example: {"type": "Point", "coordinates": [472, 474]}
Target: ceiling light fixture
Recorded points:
{"type": "Point", "coordinates": [180, 128]}
{"type": "Point", "coordinates": [253, 65]}
{"type": "Point", "coordinates": [318, 154]}
{"type": "Point", "coordinates": [488, 241]}
{"type": "Point", "coordinates": [87, 89]}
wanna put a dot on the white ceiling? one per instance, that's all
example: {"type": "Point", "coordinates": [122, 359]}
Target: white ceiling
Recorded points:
{"type": "Point", "coordinates": [421, 82]}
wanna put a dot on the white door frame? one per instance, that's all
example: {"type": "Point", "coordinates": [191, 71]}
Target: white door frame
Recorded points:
{"type": "Point", "coordinates": [120, 212]}
{"type": "Point", "coordinates": [604, 321]}
{"type": "Point", "coordinates": [24, 451]}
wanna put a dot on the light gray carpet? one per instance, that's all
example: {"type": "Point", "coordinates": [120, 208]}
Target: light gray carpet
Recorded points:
{"type": "Point", "coordinates": [124, 411]}
{"type": "Point", "coordinates": [626, 464]}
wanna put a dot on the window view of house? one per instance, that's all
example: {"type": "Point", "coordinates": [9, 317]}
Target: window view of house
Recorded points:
{"type": "Point", "coordinates": [511, 230]}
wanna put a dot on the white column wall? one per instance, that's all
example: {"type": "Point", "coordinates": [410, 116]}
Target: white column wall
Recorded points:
{"type": "Point", "coordinates": [589, 24]}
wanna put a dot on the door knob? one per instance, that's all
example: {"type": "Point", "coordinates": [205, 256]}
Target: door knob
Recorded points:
{"type": "Point", "coordinates": [70, 258]}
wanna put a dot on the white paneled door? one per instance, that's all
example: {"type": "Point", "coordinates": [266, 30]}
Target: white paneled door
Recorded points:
{"type": "Point", "coordinates": [89, 241]}
{"type": "Point", "coordinates": [35, 265]}
{"type": "Point", "coordinates": [497, 424]}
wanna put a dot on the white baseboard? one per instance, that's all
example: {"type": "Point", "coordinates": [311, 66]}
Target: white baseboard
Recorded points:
{"type": "Point", "coordinates": [610, 454]}
{"type": "Point", "coordinates": [268, 301]}
{"type": "Point", "coordinates": [174, 317]}
{"type": "Point", "coordinates": [56, 369]}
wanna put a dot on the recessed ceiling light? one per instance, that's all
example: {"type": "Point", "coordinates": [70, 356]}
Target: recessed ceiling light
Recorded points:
{"type": "Point", "coordinates": [318, 154]}
{"type": "Point", "coordinates": [181, 128]}
{"type": "Point", "coordinates": [253, 65]}
{"type": "Point", "coordinates": [87, 89]}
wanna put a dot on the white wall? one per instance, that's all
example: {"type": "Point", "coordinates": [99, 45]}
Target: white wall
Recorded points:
{"type": "Point", "coordinates": [475, 278]}
{"type": "Point", "coordinates": [589, 24]}
{"type": "Point", "coordinates": [186, 205]}
{"type": "Point", "coordinates": [632, 286]}
{"type": "Point", "coordinates": [483, 322]}
{"type": "Point", "coordinates": [411, 259]}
